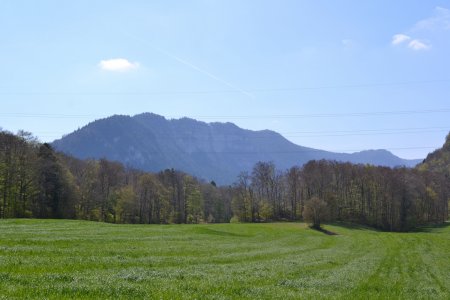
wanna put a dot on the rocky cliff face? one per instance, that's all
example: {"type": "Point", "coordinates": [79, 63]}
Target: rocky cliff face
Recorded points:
{"type": "Point", "coordinates": [212, 151]}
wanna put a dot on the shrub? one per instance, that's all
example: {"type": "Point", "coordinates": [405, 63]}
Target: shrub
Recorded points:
{"type": "Point", "coordinates": [316, 211]}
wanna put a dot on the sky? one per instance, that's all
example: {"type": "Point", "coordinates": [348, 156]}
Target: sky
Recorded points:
{"type": "Point", "coordinates": [343, 75]}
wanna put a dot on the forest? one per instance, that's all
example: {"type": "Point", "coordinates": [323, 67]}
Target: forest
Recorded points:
{"type": "Point", "coordinates": [37, 182]}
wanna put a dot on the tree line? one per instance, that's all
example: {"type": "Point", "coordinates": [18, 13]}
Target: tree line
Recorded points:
{"type": "Point", "coordinates": [396, 199]}
{"type": "Point", "coordinates": [37, 182]}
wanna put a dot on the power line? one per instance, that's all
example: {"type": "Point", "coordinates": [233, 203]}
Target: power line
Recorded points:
{"type": "Point", "coordinates": [308, 150]}
{"type": "Point", "coordinates": [400, 130]}
{"type": "Point", "coordinates": [240, 117]}
{"type": "Point", "coordinates": [332, 115]}
{"type": "Point", "coordinates": [367, 130]}
{"type": "Point", "coordinates": [197, 137]}
{"type": "Point", "coordinates": [369, 134]}
{"type": "Point", "coordinates": [358, 85]}
{"type": "Point", "coordinates": [232, 91]}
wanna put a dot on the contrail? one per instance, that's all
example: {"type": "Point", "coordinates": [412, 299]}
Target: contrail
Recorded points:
{"type": "Point", "coordinates": [191, 65]}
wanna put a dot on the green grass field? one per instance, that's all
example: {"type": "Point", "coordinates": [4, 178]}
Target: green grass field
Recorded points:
{"type": "Point", "coordinates": [52, 259]}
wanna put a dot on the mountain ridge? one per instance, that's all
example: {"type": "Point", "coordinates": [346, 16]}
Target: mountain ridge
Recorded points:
{"type": "Point", "coordinates": [211, 151]}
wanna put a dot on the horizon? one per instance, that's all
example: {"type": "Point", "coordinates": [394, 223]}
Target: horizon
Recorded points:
{"type": "Point", "coordinates": [224, 122]}
{"type": "Point", "coordinates": [341, 77]}
{"type": "Point", "coordinates": [171, 118]}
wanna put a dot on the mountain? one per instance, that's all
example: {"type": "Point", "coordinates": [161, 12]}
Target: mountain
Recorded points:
{"type": "Point", "coordinates": [212, 151]}
{"type": "Point", "coordinates": [439, 160]}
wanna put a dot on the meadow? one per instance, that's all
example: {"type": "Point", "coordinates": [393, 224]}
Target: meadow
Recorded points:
{"type": "Point", "coordinates": [62, 259]}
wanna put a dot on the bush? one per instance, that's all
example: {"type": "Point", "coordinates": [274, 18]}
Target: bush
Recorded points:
{"type": "Point", "coordinates": [316, 211]}
{"type": "Point", "coordinates": [234, 219]}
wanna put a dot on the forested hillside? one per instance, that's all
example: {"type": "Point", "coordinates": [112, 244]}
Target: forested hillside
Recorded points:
{"type": "Point", "coordinates": [211, 151]}
{"type": "Point", "coordinates": [439, 160]}
{"type": "Point", "coordinates": [35, 181]}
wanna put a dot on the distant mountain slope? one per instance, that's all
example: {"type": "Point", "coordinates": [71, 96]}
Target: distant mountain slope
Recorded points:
{"type": "Point", "coordinates": [439, 160]}
{"type": "Point", "coordinates": [212, 151]}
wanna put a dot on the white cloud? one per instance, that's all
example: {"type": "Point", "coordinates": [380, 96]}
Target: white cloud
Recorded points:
{"type": "Point", "coordinates": [400, 38]}
{"type": "Point", "coordinates": [118, 65]}
{"type": "Point", "coordinates": [439, 21]}
{"type": "Point", "coordinates": [428, 27]}
{"type": "Point", "coordinates": [418, 45]}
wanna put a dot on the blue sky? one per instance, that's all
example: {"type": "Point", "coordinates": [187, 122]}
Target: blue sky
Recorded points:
{"type": "Point", "coordinates": [335, 75]}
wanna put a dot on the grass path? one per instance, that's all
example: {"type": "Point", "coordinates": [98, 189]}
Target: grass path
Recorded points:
{"type": "Point", "coordinates": [54, 259]}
